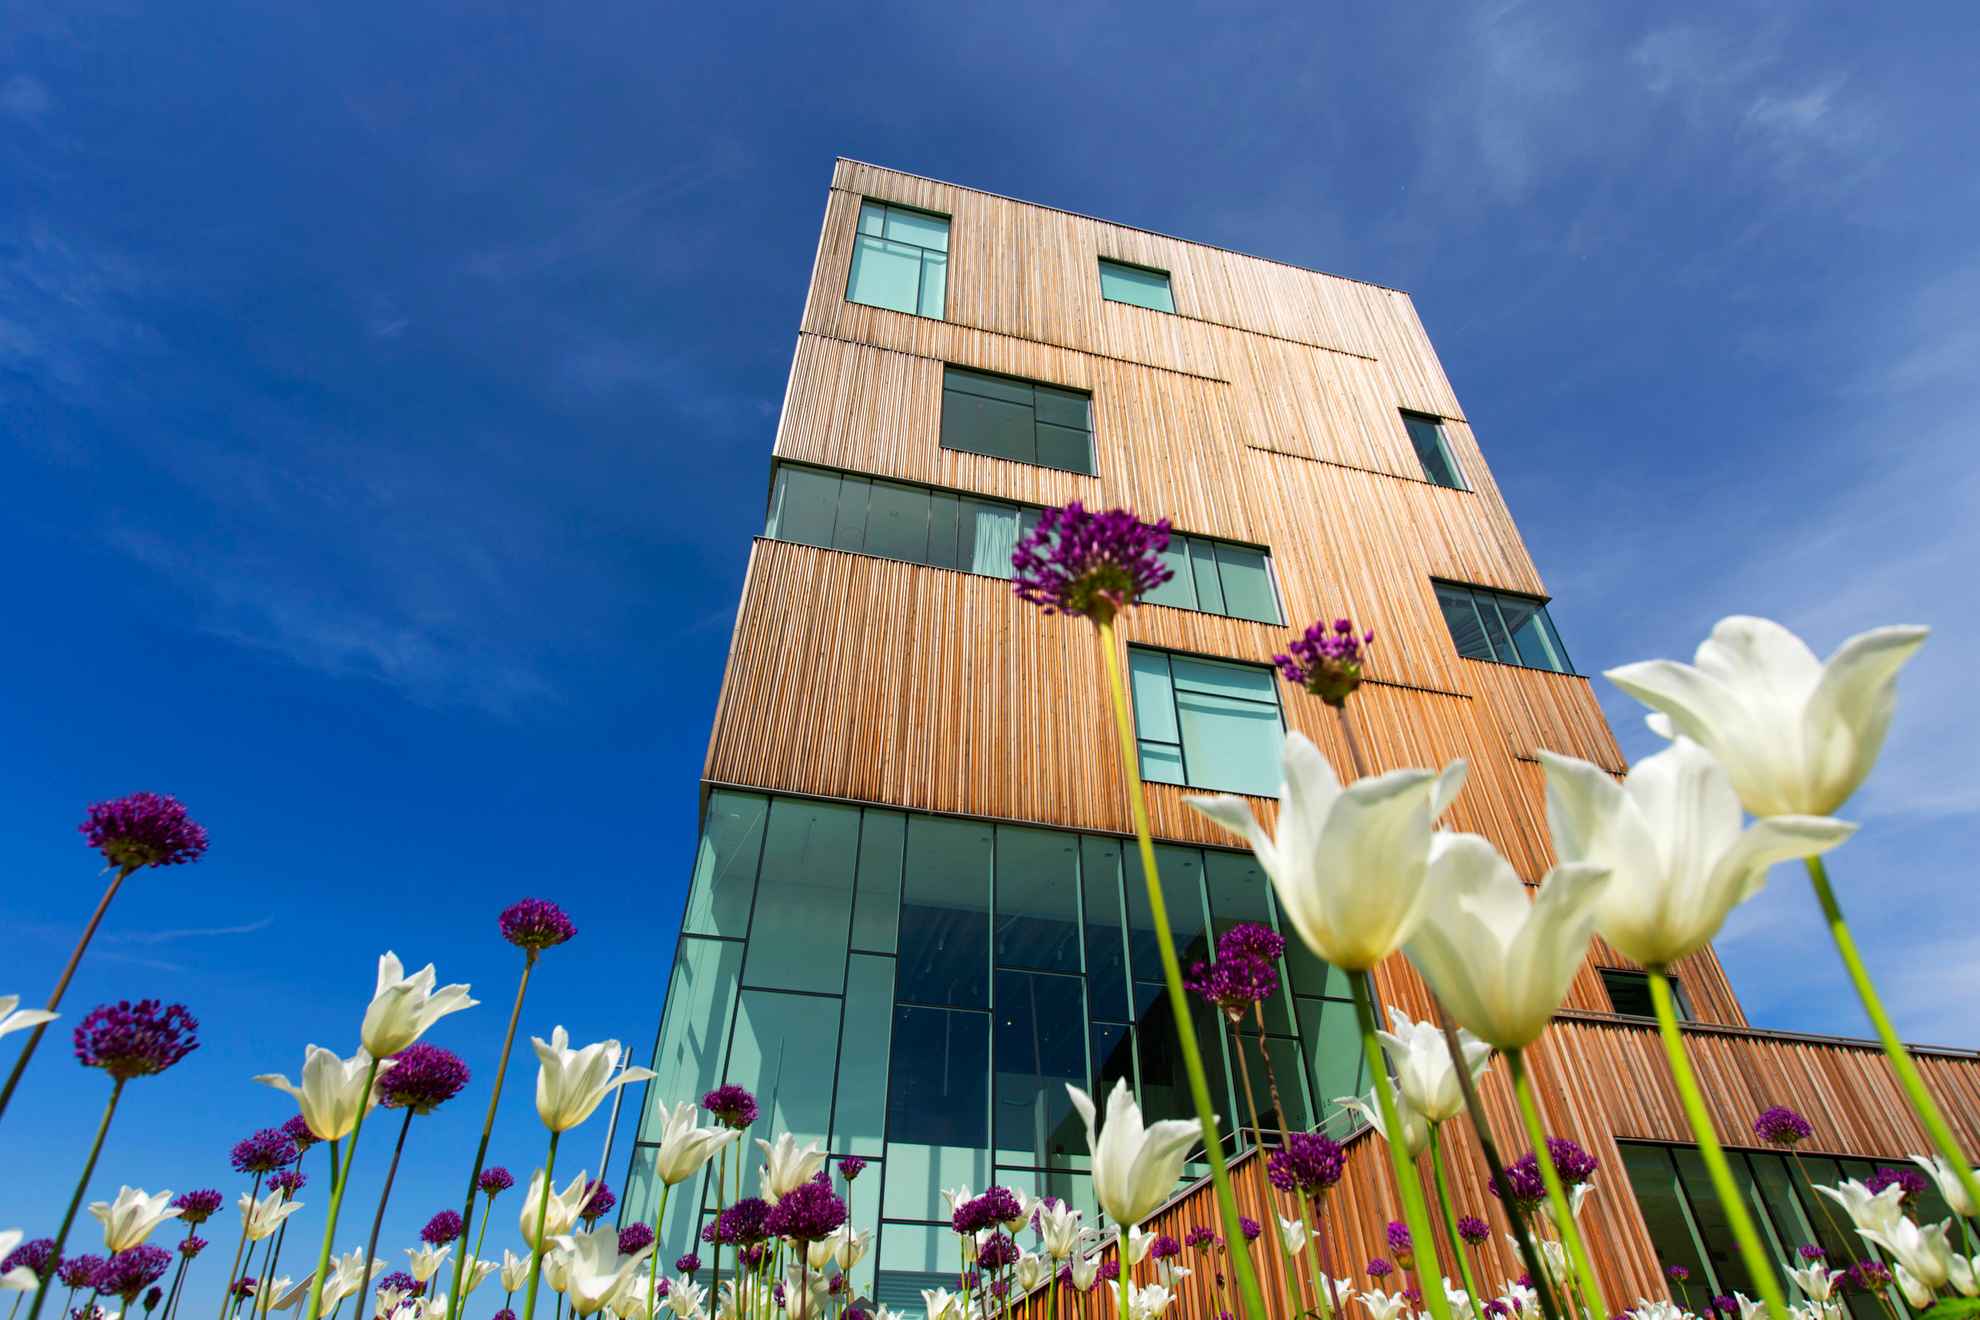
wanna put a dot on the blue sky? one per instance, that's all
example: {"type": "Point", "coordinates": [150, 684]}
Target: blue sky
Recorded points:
{"type": "Point", "coordinates": [388, 391]}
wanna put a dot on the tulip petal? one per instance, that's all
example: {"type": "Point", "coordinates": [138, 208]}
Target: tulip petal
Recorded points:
{"type": "Point", "coordinates": [1235, 815]}
{"type": "Point", "coordinates": [1777, 839]}
{"type": "Point", "coordinates": [1751, 653]}
{"type": "Point", "coordinates": [1845, 721]}
{"type": "Point", "coordinates": [1695, 703]}
{"type": "Point", "coordinates": [1374, 894]}
{"type": "Point", "coordinates": [1307, 798]}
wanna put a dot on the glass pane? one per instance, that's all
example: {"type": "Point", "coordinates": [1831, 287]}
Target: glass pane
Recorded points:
{"type": "Point", "coordinates": [725, 865]}
{"type": "Point", "coordinates": [1554, 637]}
{"type": "Point", "coordinates": [1062, 407]}
{"type": "Point", "coordinates": [642, 1199]}
{"type": "Point", "coordinates": [1247, 579]}
{"type": "Point", "coordinates": [1240, 891]}
{"type": "Point", "coordinates": [1162, 763]}
{"type": "Point", "coordinates": [849, 533]}
{"type": "Point", "coordinates": [942, 530]}
{"type": "Point", "coordinates": [1040, 1049]}
{"type": "Point", "coordinates": [872, 218]}
{"type": "Point", "coordinates": [805, 897]}
{"type": "Point", "coordinates": [918, 228]}
{"type": "Point", "coordinates": [897, 522]}
{"type": "Point", "coordinates": [859, 1114]}
{"type": "Point", "coordinates": [1311, 976]}
{"type": "Point", "coordinates": [1495, 627]}
{"type": "Point", "coordinates": [939, 1091]}
{"type": "Point", "coordinates": [1251, 682]}
{"type": "Point", "coordinates": [1427, 435]}
{"type": "Point", "coordinates": [945, 913]}
{"type": "Point", "coordinates": [784, 1051]}
{"type": "Point", "coordinates": [1180, 590]}
{"type": "Point", "coordinates": [1333, 1042]}
{"type": "Point", "coordinates": [986, 534]}
{"type": "Point", "coordinates": [1064, 447]}
{"type": "Point", "coordinates": [1534, 640]}
{"type": "Point", "coordinates": [1005, 389]}
{"type": "Point", "coordinates": [1288, 1067]}
{"type": "Point", "coordinates": [1154, 700]}
{"type": "Point", "coordinates": [1467, 633]}
{"type": "Point", "coordinates": [914, 1258]}
{"type": "Point", "coordinates": [1164, 1082]}
{"type": "Point", "coordinates": [1112, 1058]}
{"type": "Point", "coordinates": [806, 505]}
{"type": "Point", "coordinates": [982, 425]}
{"type": "Point", "coordinates": [1629, 992]}
{"type": "Point", "coordinates": [1230, 745]}
{"type": "Point", "coordinates": [934, 301]}
{"type": "Point", "coordinates": [1106, 954]}
{"type": "Point", "coordinates": [877, 904]}
{"type": "Point", "coordinates": [884, 274]}
{"type": "Point", "coordinates": [1038, 899]}
{"type": "Point", "coordinates": [694, 1030]}
{"type": "Point", "coordinates": [1203, 567]}
{"type": "Point", "coordinates": [1714, 1228]}
{"type": "Point", "coordinates": [1181, 873]}
{"type": "Point", "coordinates": [1662, 1203]}
{"type": "Point", "coordinates": [1131, 284]}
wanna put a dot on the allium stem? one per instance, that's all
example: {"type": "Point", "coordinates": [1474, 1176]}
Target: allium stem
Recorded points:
{"type": "Point", "coordinates": [61, 985]}
{"type": "Point", "coordinates": [1259, 1163]}
{"type": "Point", "coordinates": [263, 1299]}
{"type": "Point", "coordinates": [721, 1192]}
{"type": "Point", "coordinates": [82, 1185]}
{"type": "Point", "coordinates": [339, 1184]}
{"type": "Point", "coordinates": [542, 1213]}
{"type": "Point", "coordinates": [1757, 1262]}
{"type": "Point", "coordinates": [1450, 1223]}
{"type": "Point", "coordinates": [178, 1277]}
{"type": "Point", "coordinates": [1253, 1304]}
{"type": "Point", "coordinates": [1408, 1188]}
{"type": "Point", "coordinates": [233, 1270]}
{"type": "Point", "coordinates": [1922, 1103]}
{"type": "Point", "coordinates": [378, 1218]}
{"type": "Point", "coordinates": [487, 1127]}
{"type": "Point", "coordinates": [1584, 1272]}
{"type": "Point", "coordinates": [659, 1244]}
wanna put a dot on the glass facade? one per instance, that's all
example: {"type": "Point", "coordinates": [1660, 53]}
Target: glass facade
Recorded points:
{"type": "Point", "coordinates": [1206, 723]}
{"type": "Point", "coordinates": [1501, 626]}
{"type": "Point", "coordinates": [920, 990]}
{"type": "Point", "coordinates": [1136, 285]}
{"type": "Point", "coordinates": [1433, 450]}
{"type": "Point", "coordinates": [900, 260]}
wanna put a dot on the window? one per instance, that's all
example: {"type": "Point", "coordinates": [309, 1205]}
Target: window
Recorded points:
{"type": "Point", "coordinates": [1629, 993]}
{"type": "Point", "coordinates": [1218, 577]}
{"type": "Point", "coordinates": [1433, 450]}
{"type": "Point", "coordinates": [1206, 723]}
{"type": "Point", "coordinates": [1497, 625]}
{"type": "Point", "coordinates": [1138, 285]}
{"type": "Point", "coordinates": [1016, 419]}
{"type": "Point", "coordinates": [900, 260]}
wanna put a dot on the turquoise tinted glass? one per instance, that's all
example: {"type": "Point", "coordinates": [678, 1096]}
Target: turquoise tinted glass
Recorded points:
{"type": "Point", "coordinates": [797, 939]}
{"type": "Point", "coordinates": [1534, 640]}
{"type": "Point", "coordinates": [859, 1115]}
{"type": "Point", "coordinates": [725, 865]}
{"type": "Point", "coordinates": [1247, 581]}
{"type": "Point", "coordinates": [900, 260]}
{"type": "Point", "coordinates": [1180, 589]}
{"type": "Point", "coordinates": [897, 522]}
{"type": "Point", "coordinates": [1426, 434]}
{"type": "Point", "coordinates": [1461, 617]}
{"type": "Point", "coordinates": [1132, 284]}
{"type": "Point", "coordinates": [1154, 698]}
{"type": "Point", "coordinates": [945, 913]}
{"type": "Point", "coordinates": [885, 274]}
{"type": "Point", "coordinates": [918, 228]}
{"type": "Point", "coordinates": [1497, 625]}
{"type": "Point", "coordinates": [805, 506]}
{"type": "Point", "coordinates": [1248, 682]}
{"type": "Point", "coordinates": [783, 1045]}
{"type": "Point", "coordinates": [934, 285]}
{"type": "Point", "coordinates": [877, 902]}
{"type": "Point", "coordinates": [1230, 745]}
{"type": "Point", "coordinates": [1203, 567]}
{"type": "Point", "coordinates": [1037, 899]}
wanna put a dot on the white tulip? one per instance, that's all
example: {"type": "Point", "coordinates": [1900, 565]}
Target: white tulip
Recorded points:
{"type": "Point", "coordinates": [571, 1083]}
{"type": "Point", "coordinates": [403, 1007]}
{"type": "Point", "coordinates": [1142, 1303]}
{"type": "Point", "coordinates": [1671, 836]}
{"type": "Point", "coordinates": [333, 1094]}
{"type": "Point", "coordinates": [1964, 1274]}
{"type": "Point", "coordinates": [1950, 1186]}
{"type": "Point", "coordinates": [259, 1219]}
{"type": "Point", "coordinates": [1796, 734]}
{"type": "Point", "coordinates": [1923, 1250]}
{"type": "Point", "coordinates": [684, 1297]}
{"type": "Point", "coordinates": [1658, 1309]}
{"type": "Point", "coordinates": [1577, 1195]}
{"type": "Point", "coordinates": [804, 1294]}
{"type": "Point", "coordinates": [1415, 1128]}
{"type": "Point", "coordinates": [347, 1275]}
{"type": "Point", "coordinates": [287, 1298]}
{"type": "Point", "coordinates": [786, 1166]}
{"type": "Point", "coordinates": [1349, 865]}
{"type": "Point", "coordinates": [1384, 1306]}
{"type": "Point", "coordinates": [1293, 1233]}
{"type": "Point", "coordinates": [1817, 1282]}
{"type": "Point", "coordinates": [20, 1278]}
{"type": "Point", "coordinates": [1031, 1271]}
{"type": "Point", "coordinates": [388, 1300]}
{"type": "Point", "coordinates": [594, 1269]}
{"type": "Point", "coordinates": [1422, 1062]}
{"type": "Point", "coordinates": [634, 1299]}
{"type": "Point", "coordinates": [849, 1248]}
{"type": "Point", "coordinates": [1085, 1270]}
{"type": "Point", "coordinates": [1060, 1230]}
{"type": "Point", "coordinates": [515, 1270]}
{"type": "Point", "coordinates": [1524, 1300]}
{"type": "Point", "coordinates": [557, 1267]}
{"type": "Point", "coordinates": [1138, 1243]}
{"type": "Point", "coordinates": [952, 1196]}
{"type": "Point", "coordinates": [684, 1147]}
{"type": "Point", "coordinates": [1135, 1167]}
{"type": "Point", "coordinates": [818, 1254]}
{"type": "Point", "coordinates": [1914, 1292]}
{"type": "Point", "coordinates": [941, 1304]}
{"type": "Point", "coordinates": [130, 1219]}
{"type": "Point", "coordinates": [1460, 1302]}
{"type": "Point", "coordinates": [426, 1261]}
{"type": "Point", "coordinates": [561, 1211]}
{"type": "Point", "coordinates": [1865, 1208]}
{"type": "Point", "coordinates": [1027, 1206]}
{"type": "Point", "coordinates": [15, 1018]}
{"type": "Point", "coordinates": [477, 1272]}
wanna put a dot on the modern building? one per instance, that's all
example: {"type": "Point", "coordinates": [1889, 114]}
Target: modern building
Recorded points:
{"type": "Point", "coordinates": [912, 918]}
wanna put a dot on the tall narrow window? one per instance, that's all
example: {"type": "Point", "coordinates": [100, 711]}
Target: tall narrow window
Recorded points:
{"type": "Point", "coordinates": [1004, 417]}
{"type": "Point", "coordinates": [1498, 625]}
{"type": "Point", "coordinates": [1433, 450]}
{"type": "Point", "coordinates": [1139, 286]}
{"type": "Point", "coordinates": [1206, 723]}
{"type": "Point", "coordinates": [900, 260]}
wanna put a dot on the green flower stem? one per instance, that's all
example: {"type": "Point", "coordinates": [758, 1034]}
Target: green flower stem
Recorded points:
{"type": "Point", "coordinates": [1584, 1272]}
{"type": "Point", "coordinates": [653, 1281]}
{"type": "Point", "coordinates": [1199, 1087]}
{"type": "Point", "coordinates": [263, 1298]}
{"type": "Point", "coordinates": [481, 1151]}
{"type": "Point", "coordinates": [1122, 1284]}
{"type": "Point", "coordinates": [1407, 1187]}
{"type": "Point", "coordinates": [378, 1219]}
{"type": "Point", "coordinates": [55, 997]}
{"type": "Point", "coordinates": [542, 1222]}
{"type": "Point", "coordinates": [82, 1185]}
{"type": "Point", "coordinates": [254, 1190]}
{"type": "Point", "coordinates": [341, 1182]}
{"type": "Point", "coordinates": [171, 1294]}
{"type": "Point", "coordinates": [1922, 1104]}
{"type": "Point", "coordinates": [1450, 1224]}
{"type": "Point", "coordinates": [1321, 1265]}
{"type": "Point", "coordinates": [1757, 1262]}
{"type": "Point", "coordinates": [721, 1191]}
{"type": "Point", "coordinates": [487, 1213]}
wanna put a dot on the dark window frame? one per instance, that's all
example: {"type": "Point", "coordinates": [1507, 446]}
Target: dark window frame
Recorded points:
{"type": "Point", "coordinates": [950, 369]}
{"type": "Point", "coordinates": [1169, 655]}
{"type": "Point", "coordinates": [1492, 595]}
{"type": "Point", "coordinates": [1610, 975]}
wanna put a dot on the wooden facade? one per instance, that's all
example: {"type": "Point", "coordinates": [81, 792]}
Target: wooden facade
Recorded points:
{"type": "Point", "coordinates": [1267, 410]}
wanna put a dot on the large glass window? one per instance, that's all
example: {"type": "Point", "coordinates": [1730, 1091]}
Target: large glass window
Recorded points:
{"type": "Point", "coordinates": [1501, 626]}
{"type": "Point", "coordinates": [1206, 723]}
{"type": "Point", "coordinates": [945, 913]}
{"type": "Point", "coordinates": [725, 865]}
{"type": "Point", "coordinates": [900, 260]}
{"type": "Point", "coordinates": [859, 1112]}
{"type": "Point", "coordinates": [804, 902]}
{"type": "Point", "coordinates": [1629, 992]}
{"type": "Point", "coordinates": [1038, 899]}
{"type": "Point", "coordinates": [938, 1090]}
{"type": "Point", "coordinates": [1138, 285]}
{"type": "Point", "coordinates": [1218, 577]}
{"type": "Point", "coordinates": [1433, 450]}
{"type": "Point", "coordinates": [1040, 1048]}
{"type": "Point", "coordinates": [1024, 421]}
{"type": "Point", "coordinates": [784, 1051]}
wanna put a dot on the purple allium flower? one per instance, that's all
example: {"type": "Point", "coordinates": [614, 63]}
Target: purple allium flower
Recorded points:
{"type": "Point", "coordinates": [854, 1312]}
{"type": "Point", "coordinates": [1380, 1269]}
{"type": "Point", "coordinates": [1574, 1164]}
{"type": "Point", "coordinates": [399, 1281]}
{"type": "Point", "coordinates": [753, 1256]}
{"type": "Point", "coordinates": [1233, 984]}
{"type": "Point", "coordinates": [598, 1203]}
{"type": "Point", "coordinates": [1677, 1273]}
{"type": "Point", "coordinates": [535, 924]}
{"type": "Point", "coordinates": [1911, 1180]}
{"type": "Point", "coordinates": [1250, 1227]}
{"type": "Point", "coordinates": [997, 1251]}
{"type": "Point", "coordinates": [152, 1299]}
{"type": "Point", "coordinates": [746, 1222]}
{"type": "Point", "coordinates": [144, 829]}
{"type": "Point", "coordinates": [495, 1180]}
{"type": "Point", "coordinates": [733, 1106]}
{"type": "Point", "coordinates": [1110, 1269]}
{"type": "Point", "coordinates": [1310, 1163]}
{"type": "Point", "coordinates": [1164, 1247]}
{"type": "Point", "coordinates": [1781, 1126]}
{"type": "Point", "coordinates": [851, 1167]}
{"type": "Point", "coordinates": [443, 1228]}
{"type": "Point", "coordinates": [129, 1040]}
{"type": "Point", "coordinates": [837, 1285]}
{"type": "Point", "coordinates": [1199, 1237]}
{"type": "Point", "coordinates": [422, 1078]}
{"type": "Point", "coordinates": [1415, 1296]}
{"type": "Point", "coordinates": [191, 1245]}
{"type": "Point", "coordinates": [264, 1152]}
{"type": "Point", "coordinates": [80, 1271]}
{"type": "Point", "coordinates": [1249, 939]}
{"type": "Point", "coordinates": [287, 1181]}
{"type": "Point", "coordinates": [37, 1255]}
{"type": "Point", "coordinates": [132, 1270]}
{"type": "Point", "coordinates": [634, 1238]}
{"type": "Point", "coordinates": [1398, 1235]}
{"type": "Point", "coordinates": [1096, 564]}
{"type": "Point", "coordinates": [687, 1264]}
{"type": "Point", "coordinates": [199, 1205]}
{"type": "Point", "coordinates": [1326, 661]}
{"type": "Point", "coordinates": [1474, 1230]}
{"type": "Point", "coordinates": [1870, 1275]}
{"type": "Point", "coordinates": [1525, 1280]}
{"type": "Point", "coordinates": [996, 1206]}
{"type": "Point", "coordinates": [1725, 1305]}
{"type": "Point", "coordinates": [1498, 1309]}
{"type": "Point", "coordinates": [297, 1130]}
{"type": "Point", "coordinates": [1523, 1189]}
{"type": "Point", "coordinates": [1810, 1251]}
{"type": "Point", "coordinates": [806, 1213]}
{"type": "Point", "coordinates": [506, 1314]}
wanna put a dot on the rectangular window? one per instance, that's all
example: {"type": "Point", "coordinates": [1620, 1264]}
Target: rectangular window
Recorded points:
{"type": "Point", "coordinates": [1501, 626]}
{"type": "Point", "coordinates": [1040, 1048]}
{"type": "Point", "coordinates": [1218, 577]}
{"type": "Point", "coordinates": [1433, 450]}
{"type": "Point", "coordinates": [798, 937]}
{"type": "Point", "coordinates": [1629, 993]}
{"type": "Point", "coordinates": [1003, 417]}
{"type": "Point", "coordinates": [1136, 285]}
{"type": "Point", "coordinates": [900, 260]}
{"type": "Point", "coordinates": [1206, 723]}
{"type": "Point", "coordinates": [945, 913]}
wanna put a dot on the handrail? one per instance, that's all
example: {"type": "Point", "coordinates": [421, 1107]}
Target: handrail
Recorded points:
{"type": "Point", "coordinates": [1600, 1019]}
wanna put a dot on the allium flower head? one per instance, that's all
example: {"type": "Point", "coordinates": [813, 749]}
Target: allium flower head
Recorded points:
{"type": "Point", "coordinates": [1781, 1126]}
{"type": "Point", "coordinates": [996, 1206]}
{"type": "Point", "coordinates": [733, 1106]}
{"type": "Point", "coordinates": [1810, 1251]}
{"type": "Point", "coordinates": [997, 1251]}
{"type": "Point", "coordinates": [851, 1167]}
{"type": "Point", "coordinates": [1911, 1180]}
{"type": "Point", "coordinates": [1233, 984]}
{"type": "Point", "coordinates": [199, 1205]}
{"type": "Point", "coordinates": [536, 924]}
{"type": "Point", "coordinates": [1398, 1235]}
{"type": "Point", "coordinates": [1677, 1273]}
{"type": "Point", "coordinates": [152, 1299]}
{"type": "Point", "coordinates": [1164, 1247]}
{"type": "Point", "coordinates": [1870, 1275]}
{"type": "Point", "coordinates": [1250, 1227]}
{"type": "Point", "coordinates": [687, 1264]}
{"type": "Point", "coordinates": [1474, 1230]}
{"type": "Point", "coordinates": [1309, 1163]}
{"type": "Point", "coordinates": [144, 829]}
{"type": "Point", "coordinates": [37, 1255]}
{"type": "Point", "coordinates": [191, 1245]}
{"type": "Point", "coordinates": [132, 1270]}
{"type": "Point", "coordinates": [443, 1228]}
{"type": "Point", "coordinates": [744, 1222]}
{"type": "Point", "coordinates": [1523, 1189]}
{"type": "Point", "coordinates": [1199, 1237]}
{"type": "Point", "coordinates": [129, 1040]}
{"type": "Point", "coordinates": [243, 1286]}
{"type": "Point", "coordinates": [297, 1130]}
{"type": "Point", "coordinates": [398, 1281]}
{"type": "Point", "coordinates": [806, 1213]}
{"type": "Point", "coordinates": [422, 1078]}
{"type": "Point", "coordinates": [287, 1181]}
{"type": "Point", "coordinates": [598, 1202]}
{"type": "Point", "coordinates": [495, 1180]}
{"type": "Point", "coordinates": [1326, 660]}
{"type": "Point", "coordinates": [264, 1152]}
{"type": "Point", "coordinates": [1725, 1305]}
{"type": "Point", "coordinates": [635, 1237]}
{"type": "Point", "coordinates": [1096, 564]}
{"type": "Point", "coordinates": [1380, 1269]}
{"type": "Point", "coordinates": [79, 1271]}
{"type": "Point", "coordinates": [506, 1314]}
{"type": "Point", "coordinates": [1249, 939]}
